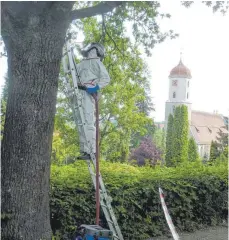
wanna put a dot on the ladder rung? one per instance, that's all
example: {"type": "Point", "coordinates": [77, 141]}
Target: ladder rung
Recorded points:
{"type": "Point", "coordinates": [103, 205]}
{"type": "Point", "coordinates": [110, 221]}
{"type": "Point", "coordinates": [67, 72]}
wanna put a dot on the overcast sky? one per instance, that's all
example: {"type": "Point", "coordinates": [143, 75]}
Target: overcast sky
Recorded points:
{"type": "Point", "coordinates": [204, 41]}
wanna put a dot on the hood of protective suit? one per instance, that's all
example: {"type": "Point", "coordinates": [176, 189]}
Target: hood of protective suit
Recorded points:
{"type": "Point", "coordinates": [92, 53]}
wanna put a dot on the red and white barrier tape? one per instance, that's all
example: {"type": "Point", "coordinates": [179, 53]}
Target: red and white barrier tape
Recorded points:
{"type": "Point", "coordinates": [167, 216]}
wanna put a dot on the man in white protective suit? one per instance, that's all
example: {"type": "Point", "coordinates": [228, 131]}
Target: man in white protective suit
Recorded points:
{"type": "Point", "coordinates": [92, 76]}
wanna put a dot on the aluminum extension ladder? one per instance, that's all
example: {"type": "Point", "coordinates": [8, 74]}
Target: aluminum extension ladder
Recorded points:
{"type": "Point", "coordinates": [74, 95]}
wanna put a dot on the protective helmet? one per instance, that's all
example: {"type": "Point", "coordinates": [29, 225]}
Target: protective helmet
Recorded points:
{"type": "Point", "coordinates": [99, 49]}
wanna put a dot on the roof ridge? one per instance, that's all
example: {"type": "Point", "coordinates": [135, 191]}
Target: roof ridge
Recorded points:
{"type": "Point", "coordinates": [205, 112]}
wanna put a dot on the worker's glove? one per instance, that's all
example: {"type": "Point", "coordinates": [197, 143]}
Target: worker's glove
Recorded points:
{"type": "Point", "coordinates": [93, 89]}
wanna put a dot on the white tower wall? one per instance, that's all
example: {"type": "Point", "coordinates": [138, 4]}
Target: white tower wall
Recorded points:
{"type": "Point", "coordinates": [179, 94]}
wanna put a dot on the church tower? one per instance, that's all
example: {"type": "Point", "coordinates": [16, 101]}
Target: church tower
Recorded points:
{"type": "Point", "coordinates": [179, 94]}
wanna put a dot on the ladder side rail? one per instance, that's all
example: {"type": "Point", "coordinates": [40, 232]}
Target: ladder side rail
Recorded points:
{"type": "Point", "coordinates": [103, 204]}
{"type": "Point", "coordinates": [78, 95]}
{"type": "Point", "coordinates": [75, 73]}
{"type": "Point", "coordinates": [108, 218]}
{"type": "Point", "coordinates": [108, 204]}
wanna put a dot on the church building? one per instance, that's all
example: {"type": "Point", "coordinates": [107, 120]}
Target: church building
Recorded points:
{"type": "Point", "coordinates": [204, 127]}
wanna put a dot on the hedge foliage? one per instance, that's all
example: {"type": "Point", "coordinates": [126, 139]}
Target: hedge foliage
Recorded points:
{"type": "Point", "coordinates": [195, 194]}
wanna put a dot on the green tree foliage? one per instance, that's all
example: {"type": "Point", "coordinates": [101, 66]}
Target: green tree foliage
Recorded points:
{"type": "Point", "coordinates": [180, 135]}
{"type": "Point", "coordinates": [225, 152]}
{"type": "Point", "coordinates": [124, 100]}
{"type": "Point", "coordinates": [219, 148]}
{"type": "Point", "coordinates": [169, 142]}
{"type": "Point", "coordinates": [159, 138]}
{"type": "Point", "coordinates": [217, 6]}
{"type": "Point", "coordinates": [137, 137]}
{"type": "Point", "coordinates": [177, 137]}
{"type": "Point", "coordinates": [65, 145]}
{"type": "Point", "coordinates": [125, 103]}
{"type": "Point", "coordinates": [192, 151]}
{"type": "Point", "coordinates": [222, 141]}
{"type": "Point", "coordinates": [4, 95]}
{"type": "Point", "coordinates": [214, 151]}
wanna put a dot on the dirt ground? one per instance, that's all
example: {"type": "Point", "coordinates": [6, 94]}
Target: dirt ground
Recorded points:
{"type": "Point", "coordinates": [212, 233]}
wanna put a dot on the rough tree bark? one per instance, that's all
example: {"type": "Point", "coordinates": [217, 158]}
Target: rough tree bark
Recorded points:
{"type": "Point", "coordinates": [34, 41]}
{"type": "Point", "coordinates": [33, 33]}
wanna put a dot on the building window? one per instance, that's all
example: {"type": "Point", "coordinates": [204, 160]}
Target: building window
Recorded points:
{"type": "Point", "coordinates": [174, 94]}
{"type": "Point", "coordinates": [174, 83]}
{"type": "Point", "coordinates": [188, 83]}
{"type": "Point", "coordinates": [187, 95]}
{"type": "Point", "coordinates": [174, 108]}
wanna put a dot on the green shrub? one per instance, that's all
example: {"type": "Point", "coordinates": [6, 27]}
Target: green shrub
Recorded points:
{"type": "Point", "coordinates": [195, 194]}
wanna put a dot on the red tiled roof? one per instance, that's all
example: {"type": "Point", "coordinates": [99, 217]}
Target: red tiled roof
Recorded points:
{"type": "Point", "coordinates": [205, 127]}
{"type": "Point", "coordinates": [180, 71]}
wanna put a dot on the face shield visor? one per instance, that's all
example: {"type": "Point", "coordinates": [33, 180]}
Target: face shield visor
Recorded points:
{"type": "Point", "coordinates": [100, 50]}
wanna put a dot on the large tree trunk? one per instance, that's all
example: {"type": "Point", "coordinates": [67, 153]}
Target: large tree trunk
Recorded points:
{"type": "Point", "coordinates": [34, 36]}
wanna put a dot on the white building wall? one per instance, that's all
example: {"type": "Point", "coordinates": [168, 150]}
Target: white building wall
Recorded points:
{"type": "Point", "coordinates": [181, 90]}
{"type": "Point", "coordinates": [204, 150]}
{"type": "Point", "coordinates": [178, 95]}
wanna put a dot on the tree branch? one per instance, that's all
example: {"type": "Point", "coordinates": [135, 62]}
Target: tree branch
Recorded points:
{"type": "Point", "coordinates": [100, 8]}
{"type": "Point", "coordinates": [104, 133]}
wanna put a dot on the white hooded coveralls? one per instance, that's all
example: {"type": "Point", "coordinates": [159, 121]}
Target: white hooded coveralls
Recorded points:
{"type": "Point", "coordinates": [92, 72]}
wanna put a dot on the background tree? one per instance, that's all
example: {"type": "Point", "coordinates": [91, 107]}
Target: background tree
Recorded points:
{"type": "Point", "coordinates": [217, 6]}
{"type": "Point", "coordinates": [180, 135]}
{"type": "Point", "coordinates": [225, 152]}
{"type": "Point", "coordinates": [147, 150]}
{"type": "Point", "coordinates": [65, 145]}
{"type": "Point", "coordinates": [126, 100]}
{"type": "Point", "coordinates": [145, 106]}
{"type": "Point", "coordinates": [159, 138]}
{"type": "Point", "coordinates": [137, 135]}
{"type": "Point", "coordinates": [34, 33]}
{"type": "Point", "coordinates": [219, 148]}
{"type": "Point", "coordinates": [124, 105]}
{"type": "Point", "coordinates": [214, 151]}
{"type": "Point", "coordinates": [4, 95]}
{"type": "Point", "coordinates": [192, 150]}
{"type": "Point", "coordinates": [169, 142]}
{"type": "Point", "coordinates": [222, 140]}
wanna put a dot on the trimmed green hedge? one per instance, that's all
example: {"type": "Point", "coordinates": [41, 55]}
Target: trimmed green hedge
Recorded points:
{"type": "Point", "coordinates": [196, 195]}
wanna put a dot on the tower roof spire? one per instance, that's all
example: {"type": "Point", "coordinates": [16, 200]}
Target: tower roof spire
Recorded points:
{"type": "Point", "coordinates": [181, 53]}
{"type": "Point", "coordinates": [180, 70]}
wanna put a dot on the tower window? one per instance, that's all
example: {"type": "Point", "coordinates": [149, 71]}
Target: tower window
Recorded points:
{"type": "Point", "coordinates": [174, 94]}
{"type": "Point", "coordinates": [188, 83]}
{"type": "Point", "coordinates": [174, 83]}
{"type": "Point", "coordinates": [187, 95]}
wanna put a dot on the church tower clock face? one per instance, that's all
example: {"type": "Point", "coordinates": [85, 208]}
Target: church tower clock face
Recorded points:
{"type": "Point", "coordinates": [174, 83]}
